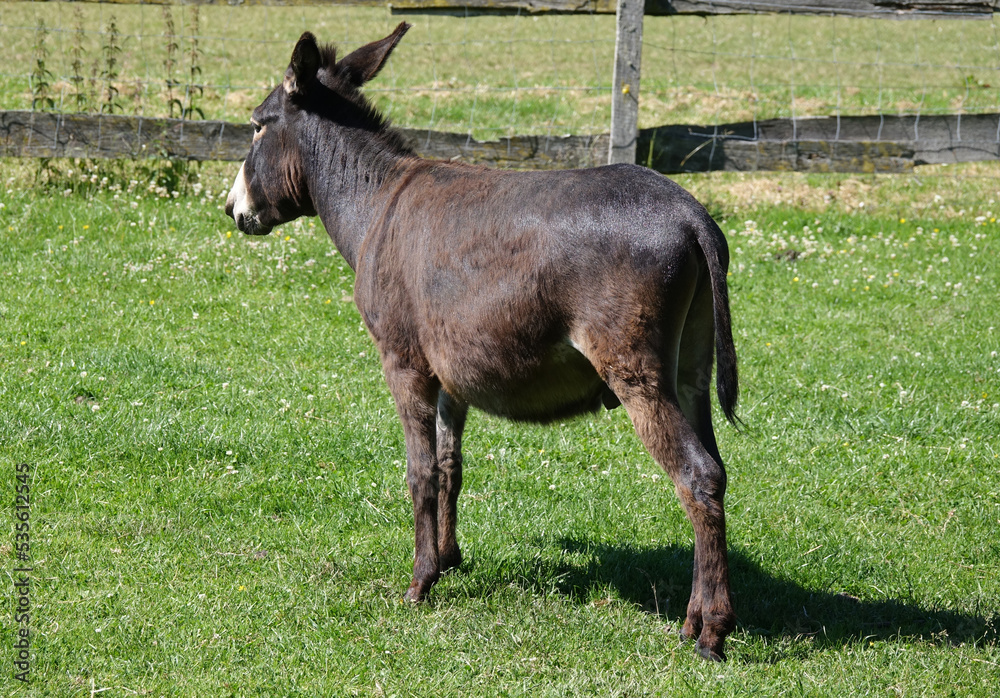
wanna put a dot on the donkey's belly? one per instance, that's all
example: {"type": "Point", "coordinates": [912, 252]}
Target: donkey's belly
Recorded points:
{"type": "Point", "coordinates": [561, 383]}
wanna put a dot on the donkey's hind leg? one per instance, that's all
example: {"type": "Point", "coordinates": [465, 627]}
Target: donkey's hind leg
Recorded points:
{"type": "Point", "coordinates": [450, 424]}
{"type": "Point", "coordinates": [700, 482]}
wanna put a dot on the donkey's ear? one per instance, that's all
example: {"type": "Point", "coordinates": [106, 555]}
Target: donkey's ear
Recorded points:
{"type": "Point", "coordinates": [304, 65]}
{"type": "Point", "coordinates": [363, 64]}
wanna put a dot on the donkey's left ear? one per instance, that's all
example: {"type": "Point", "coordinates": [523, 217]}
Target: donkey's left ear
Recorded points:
{"type": "Point", "coordinates": [303, 67]}
{"type": "Point", "coordinates": [363, 64]}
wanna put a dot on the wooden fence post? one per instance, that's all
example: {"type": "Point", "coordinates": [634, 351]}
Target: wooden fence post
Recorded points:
{"type": "Point", "coordinates": [625, 84]}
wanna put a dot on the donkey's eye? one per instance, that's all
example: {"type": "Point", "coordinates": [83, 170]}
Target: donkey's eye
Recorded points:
{"type": "Point", "coordinates": [258, 130]}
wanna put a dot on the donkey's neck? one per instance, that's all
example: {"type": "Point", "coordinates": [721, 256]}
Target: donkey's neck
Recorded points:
{"type": "Point", "coordinates": [352, 183]}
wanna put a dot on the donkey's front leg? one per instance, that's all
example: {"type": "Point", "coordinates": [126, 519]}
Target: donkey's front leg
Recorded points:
{"type": "Point", "coordinates": [450, 424]}
{"type": "Point", "coordinates": [415, 393]}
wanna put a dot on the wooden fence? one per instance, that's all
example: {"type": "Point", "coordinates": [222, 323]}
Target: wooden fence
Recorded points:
{"type": "Point", "coordinates": [887, 9]}
{"type": "Point", "coordinates": [822, 144]}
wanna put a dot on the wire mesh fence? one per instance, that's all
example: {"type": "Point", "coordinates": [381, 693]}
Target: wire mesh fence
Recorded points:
{"type": "Point", "coordinates": [754, 67]}
{"type": "Point", "coordinates": [487, 76]}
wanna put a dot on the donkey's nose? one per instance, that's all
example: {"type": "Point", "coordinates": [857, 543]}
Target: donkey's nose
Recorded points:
{"type": "Point", "coordinates": [240, 217]}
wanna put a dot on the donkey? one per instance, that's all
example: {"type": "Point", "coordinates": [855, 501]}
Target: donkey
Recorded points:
{"type": "Point", "coordinates": [531, 295]}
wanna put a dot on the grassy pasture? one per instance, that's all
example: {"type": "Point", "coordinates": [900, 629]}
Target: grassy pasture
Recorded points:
{"type": "Point", "coordinates": [501, 76]}
{"type": "Point", "coordinates": [218, 497]}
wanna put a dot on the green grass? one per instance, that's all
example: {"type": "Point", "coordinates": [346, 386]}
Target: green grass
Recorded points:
{"type": "Point", "coordinates": [219, 505]}
{"type": "Point", "coordinates": [502, 76]}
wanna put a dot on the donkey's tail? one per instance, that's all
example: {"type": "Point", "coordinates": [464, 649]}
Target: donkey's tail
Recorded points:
{"type": "Point", "coordinates": [713, 245]}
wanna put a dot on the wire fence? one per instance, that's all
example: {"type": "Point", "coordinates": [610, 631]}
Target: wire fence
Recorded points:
{"type": "Point", "coordinates": [755, 67]}
{"type": "Point", "coordinates": [486, 76]}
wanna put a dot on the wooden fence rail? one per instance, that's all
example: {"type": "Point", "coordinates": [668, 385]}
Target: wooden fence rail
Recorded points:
{"type": "Point", "coordinates": [828, 144]}
{"type": "Point", "coordinates": [898, 9]}
{"type": "Point", "coordinates": [888, 9]}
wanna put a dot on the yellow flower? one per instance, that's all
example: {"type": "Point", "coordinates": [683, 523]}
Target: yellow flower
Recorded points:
{"type": "Point", "coordinates": [86, 227]}
{"type": "Point", "coordinates": [152, 302]}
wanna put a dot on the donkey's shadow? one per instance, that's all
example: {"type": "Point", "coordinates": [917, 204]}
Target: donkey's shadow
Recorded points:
{"type": "Point", "coordinates": [658, 580]}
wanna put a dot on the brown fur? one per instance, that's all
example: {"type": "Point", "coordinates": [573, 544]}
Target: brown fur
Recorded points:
{"type": "Point", "coordinates": [534, 296]}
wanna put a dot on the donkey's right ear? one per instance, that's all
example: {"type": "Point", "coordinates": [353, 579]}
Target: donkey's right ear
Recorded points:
{"type": "Point", "coordinates": [303, 67]}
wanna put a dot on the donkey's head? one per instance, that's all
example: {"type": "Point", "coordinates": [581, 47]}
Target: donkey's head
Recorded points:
{"type": "Point", "coordinates": [272, 185]}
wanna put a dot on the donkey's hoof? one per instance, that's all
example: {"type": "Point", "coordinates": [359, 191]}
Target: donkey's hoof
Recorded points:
{"type": "Point", "coordinates": [710, 654]}
{"type": "Point", "coordinates": [415, 594]}
{"type": "Point", "coordinates": [688, 632]}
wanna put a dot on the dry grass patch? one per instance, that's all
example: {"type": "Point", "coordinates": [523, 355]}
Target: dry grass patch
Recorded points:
{"type": "Point", "coordinates": [943, 191]}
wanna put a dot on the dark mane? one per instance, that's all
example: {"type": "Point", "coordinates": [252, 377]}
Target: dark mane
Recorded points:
{"type": "Point", "coordinates": [327, 56]}
{"type": "Point", "coordinates": [370, 118]}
